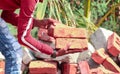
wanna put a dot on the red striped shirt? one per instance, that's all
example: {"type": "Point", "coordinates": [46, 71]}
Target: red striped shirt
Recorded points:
{"type": "Point", "coordinates": [24, 22]}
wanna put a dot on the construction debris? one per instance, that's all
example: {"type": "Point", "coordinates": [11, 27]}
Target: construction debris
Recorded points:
{"type": "Point", "coordinates": [96, 57]}
{"type": "Point", "coordinates": [99, 55]}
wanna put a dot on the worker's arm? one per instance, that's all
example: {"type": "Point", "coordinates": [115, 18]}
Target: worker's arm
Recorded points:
{"type": "Point", "coordinates": [25, 25]}
{"type": "Point", "coordinates": [10, 17]}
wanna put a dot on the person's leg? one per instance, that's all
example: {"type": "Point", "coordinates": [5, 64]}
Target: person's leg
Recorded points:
{"type": "Point", "coordinates": [11, 49]}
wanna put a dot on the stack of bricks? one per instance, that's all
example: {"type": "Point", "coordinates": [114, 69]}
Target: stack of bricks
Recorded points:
{"type": "Point", "coordinates": [77, 37]}
{"type": "Point", "coordinates": [63, 35]}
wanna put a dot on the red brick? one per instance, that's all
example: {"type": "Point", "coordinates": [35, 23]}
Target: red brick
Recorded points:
{"type": "Point", "coordinates": [99, 55]}
{"type": "Point", "coordinates": [84, 67]}
{"type": "Point", "coordinates": [96, 71]}
{"type": "Point", "coordinates": [114, 44]}
{"type": "Point", "coordinates": [2, 72]}
{"type": "Point", "coordinates": [69, 32]}
{"type": "Point", "coordinates": [42, 67]}
{"type": "Point", "coordinates": [111, 65]}
{"type": "Point", "coordinates": [74, 50]}
{"type": "Point", "coordinates": [68, 68]}
{"type": "Point", "coordinates": [75, 43]}
{"type": "Point", "coordinates": [2, 66]}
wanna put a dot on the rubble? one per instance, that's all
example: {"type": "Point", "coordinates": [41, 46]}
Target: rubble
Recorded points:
{"type": "Point", "coordinates": [99, 38]}
{"type": "Point", "coordinates": [100, 56]}
{"type": "Point", "coordinates": [95, 59]}
{"type": "Point", "coordinates": [113, 44]}
{"type": "Point", "coordinates": [69, 68]}
{"type": "Point", "coordinates": [84, 67]}
{"type": "Point", "coordinates": [96, 71]}
{"type": "Point", "coordinates": [111, 65]}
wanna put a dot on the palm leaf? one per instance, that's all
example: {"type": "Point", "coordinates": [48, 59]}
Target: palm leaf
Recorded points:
{"type": "Point", "coordinates": [41, 8]}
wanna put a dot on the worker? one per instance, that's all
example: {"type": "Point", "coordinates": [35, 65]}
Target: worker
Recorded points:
{"type": "Point", "coordinates": [25, 22]}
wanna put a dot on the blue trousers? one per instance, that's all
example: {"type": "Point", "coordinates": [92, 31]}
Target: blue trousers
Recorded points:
{"type": "Point", "coordinates": [11, 49]}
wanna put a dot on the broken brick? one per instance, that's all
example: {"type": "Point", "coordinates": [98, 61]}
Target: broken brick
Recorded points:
{"type": "Point", "coordinates": [74, 43]}
{"type": "Point", "coordinates": [84, 67]}
{"type": "Point", "coordinates": [42, 67]}
{"type": "Point", "coordinates": [111, 65]}
{"type": "Point", "coordinates": [99, 56]}
{"type": "Point", "coordinates": [69, 68]}
{"type": "Point", "coordinates": [114, 44]}
{"type": "Point", "coordinates": [68, 32]}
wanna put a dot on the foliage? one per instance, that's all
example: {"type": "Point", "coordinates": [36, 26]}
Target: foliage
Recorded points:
{"type": "Point", "coordinates": [61, 10]}
{"type": "Point", "coordinates": [101, 10]}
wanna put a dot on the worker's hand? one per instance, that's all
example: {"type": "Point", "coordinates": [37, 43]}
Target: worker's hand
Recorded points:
{"type": "Point", "coordinates": [43, 35]}
{"type": "Point", "coordinates": [45, 23]}
{"type": "Point", "coordinates": [63, 51]}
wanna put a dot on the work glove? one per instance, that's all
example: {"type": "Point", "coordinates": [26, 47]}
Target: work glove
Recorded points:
{"type": "Point", "coordinates": [45, 23]}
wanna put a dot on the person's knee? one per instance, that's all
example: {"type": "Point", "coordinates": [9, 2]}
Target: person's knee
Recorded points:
{"type": "Point", "coordinates": [13, 50]}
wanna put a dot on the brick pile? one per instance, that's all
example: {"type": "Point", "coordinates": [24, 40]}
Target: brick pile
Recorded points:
{"type": "Point", "coordinates": [64, 35]}
{"type": "Point", "coordinates": [105, 57]}
{"type": "Point", "coordinates": [101, 57]}
{"type": "Point", "coordinates": [77, 36]}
